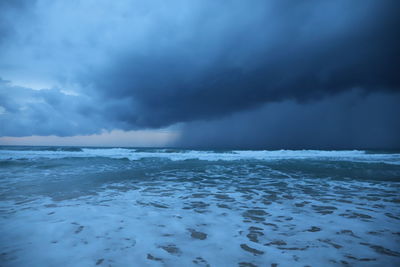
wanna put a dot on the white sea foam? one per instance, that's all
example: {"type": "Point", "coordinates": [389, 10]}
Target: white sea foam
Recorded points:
{"type": "Point", "coordinates": [267, 155]}
{"type": "Point", "coordinates": [148, 227]}
{"type": "Point", "coordinates": [97, 211]}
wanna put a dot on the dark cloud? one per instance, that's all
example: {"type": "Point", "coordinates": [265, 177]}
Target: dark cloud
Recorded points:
{"type": "Point", "coordinates": [244, 55]}
{"type": "Point", "coordinates": [11, 11]}
{"type": "Point", "coordinates": [47, 112]}
{"type": "Point", "coordinates": [350, 120]}
{"type": "Point", "coordinates": [148, 64]}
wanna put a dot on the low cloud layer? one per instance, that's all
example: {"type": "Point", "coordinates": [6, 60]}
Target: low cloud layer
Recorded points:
{"type": "Point", "coordinates": [350, 120]}
{"type": "Point", "coordinates": [47, 112]}
{"type": "Point", "coordinates": [145, 65]}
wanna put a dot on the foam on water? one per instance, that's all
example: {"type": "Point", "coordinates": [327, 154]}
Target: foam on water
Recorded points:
{"type": "Point", "coordinates": [268, 155]}
{"type": "Point", "coordinates": [233, 208]}
{"type": "Point", "coordinates": [186, 224]}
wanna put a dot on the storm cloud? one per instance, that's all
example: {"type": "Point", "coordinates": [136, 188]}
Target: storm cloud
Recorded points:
{"type": "Point", "coordinates": [349, 120]}
{"type": "Point", "coordinates": [255, 55]}
{"type": "Point", "coordinates": [46, 112]}
{"type": "Point", "coordinates": [210, 67]}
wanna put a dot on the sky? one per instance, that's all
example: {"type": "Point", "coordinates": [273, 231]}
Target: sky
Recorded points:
{"type": "Point", "coordinates": [272, 74]}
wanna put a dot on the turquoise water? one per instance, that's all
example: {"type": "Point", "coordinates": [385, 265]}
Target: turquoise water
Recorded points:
{"type": "Point", "coordinates": [75, 206]}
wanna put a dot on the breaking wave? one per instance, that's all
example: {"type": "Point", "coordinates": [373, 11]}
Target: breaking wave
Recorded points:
{"type": "Point", "coordinates": [208, 155]}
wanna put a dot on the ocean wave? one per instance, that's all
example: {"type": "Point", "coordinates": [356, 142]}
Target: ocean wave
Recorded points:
{"type": "Point", "coordinates": [180, 154]}
{"type": "Point", "coordinates": [41, 148]}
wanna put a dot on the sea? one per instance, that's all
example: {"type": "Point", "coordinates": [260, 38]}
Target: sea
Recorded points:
{"type": "Point", "coordinates": [92, 206]}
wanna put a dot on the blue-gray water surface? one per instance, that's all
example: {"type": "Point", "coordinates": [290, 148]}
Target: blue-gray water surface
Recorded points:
{"type": "Point", "coordinates": [76, 206]}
